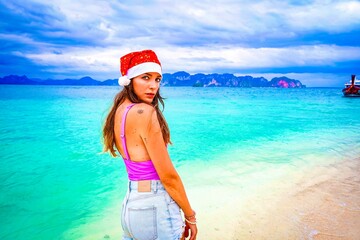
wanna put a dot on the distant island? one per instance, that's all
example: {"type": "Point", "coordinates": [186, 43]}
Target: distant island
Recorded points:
{"type": "Point", "coordinates": [170, 79]}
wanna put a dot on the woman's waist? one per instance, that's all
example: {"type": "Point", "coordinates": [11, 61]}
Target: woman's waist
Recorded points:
{"type": "Point", "coordinates": [146, 186]}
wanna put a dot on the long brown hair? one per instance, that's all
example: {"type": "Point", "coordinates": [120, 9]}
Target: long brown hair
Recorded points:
{"type": "Point", "coordinates": [128, 92]}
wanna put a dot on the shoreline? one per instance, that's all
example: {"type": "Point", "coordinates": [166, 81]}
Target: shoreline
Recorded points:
{"type": "Point", "coordinates": [314, 200]}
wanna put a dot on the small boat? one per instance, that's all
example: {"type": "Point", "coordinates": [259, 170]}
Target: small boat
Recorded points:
{"type": "Point", "coordinates": [352, 89]}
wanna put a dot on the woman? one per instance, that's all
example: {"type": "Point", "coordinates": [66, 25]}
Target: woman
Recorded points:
{"type": "Point", "coordinates": [136, 127]}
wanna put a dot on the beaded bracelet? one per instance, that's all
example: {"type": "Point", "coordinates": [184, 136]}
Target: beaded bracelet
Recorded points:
{"type": "Point", "coordinates": [190, 222]}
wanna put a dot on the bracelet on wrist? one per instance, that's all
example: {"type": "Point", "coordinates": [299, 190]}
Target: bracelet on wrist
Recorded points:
{"type": "Point", "coordinates": [191, 222]}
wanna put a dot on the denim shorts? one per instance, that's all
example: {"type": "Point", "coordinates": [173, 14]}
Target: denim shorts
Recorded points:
{"type": "Point", "coordinates": [150, 215]}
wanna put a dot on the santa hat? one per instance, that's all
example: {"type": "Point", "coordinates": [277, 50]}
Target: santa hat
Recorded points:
{"type": "Point", "coordinates": [136, 63]}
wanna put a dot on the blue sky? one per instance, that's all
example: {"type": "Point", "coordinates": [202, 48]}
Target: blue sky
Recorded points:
{"type": "Point", "coordinates": [317, 42]}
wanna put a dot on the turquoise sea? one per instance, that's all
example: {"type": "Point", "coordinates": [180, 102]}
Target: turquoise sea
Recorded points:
{"type": "Point", "coordinates": [56, 184]}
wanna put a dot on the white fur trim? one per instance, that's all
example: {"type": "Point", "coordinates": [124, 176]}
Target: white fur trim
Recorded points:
{"type": "Point", "coordinates": [143, 68]}
{"type": "Point", "coordinates": [124, 81]}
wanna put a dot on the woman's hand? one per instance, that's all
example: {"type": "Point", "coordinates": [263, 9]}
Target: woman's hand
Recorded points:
{"type": "Point", "coordinates": [190, 226]}
{"type": "Point", "coordinates": [190, 230]}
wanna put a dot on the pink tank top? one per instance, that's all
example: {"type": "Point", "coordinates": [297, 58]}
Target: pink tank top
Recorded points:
{"type": "Point", "coordinates": [137, 171]}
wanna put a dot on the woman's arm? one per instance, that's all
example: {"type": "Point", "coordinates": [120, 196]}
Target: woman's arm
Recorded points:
{"type": "Point", "coordinates": [155, 145]}
{"type": "Point", "coordinates": [153, 140]}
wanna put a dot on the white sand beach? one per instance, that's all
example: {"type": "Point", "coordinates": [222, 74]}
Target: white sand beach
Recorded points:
{"type": "Point", "coordinates": [292, 202]}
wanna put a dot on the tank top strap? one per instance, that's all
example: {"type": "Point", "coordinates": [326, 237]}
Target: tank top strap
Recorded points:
{"type": "Point", "coordinates": [122, 133]}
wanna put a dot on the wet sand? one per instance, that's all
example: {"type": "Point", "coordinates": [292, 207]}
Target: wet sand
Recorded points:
{"type": "Point", "coordinates": [289, 202]}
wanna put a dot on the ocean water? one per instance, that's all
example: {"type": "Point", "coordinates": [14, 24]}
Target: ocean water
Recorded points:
{"type": "Point", "coordinates": [56, 184]}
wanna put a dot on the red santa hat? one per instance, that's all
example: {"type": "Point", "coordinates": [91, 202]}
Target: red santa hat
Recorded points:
{"type": "Point", "coordinates": [136, 63]}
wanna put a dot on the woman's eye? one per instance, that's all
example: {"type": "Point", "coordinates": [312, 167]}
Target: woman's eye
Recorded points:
{"type": "Point", "coordinates": [158, 79]}
{"type": "Point", "coordinates": [146, 77]}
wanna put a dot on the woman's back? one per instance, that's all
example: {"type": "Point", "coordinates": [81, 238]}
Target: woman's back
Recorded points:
{"type": "Point", "coordinates": [136, 119]}
{"type": "Point", "coordinates": [133, 129]}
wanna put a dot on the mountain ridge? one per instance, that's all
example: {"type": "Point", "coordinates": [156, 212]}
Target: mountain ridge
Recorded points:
{"type": "Point", "coordinates": [181, 78]}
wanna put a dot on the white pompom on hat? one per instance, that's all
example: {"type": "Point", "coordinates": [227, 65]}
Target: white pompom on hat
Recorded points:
{"type": "Point", "coordinates": [136, 63]}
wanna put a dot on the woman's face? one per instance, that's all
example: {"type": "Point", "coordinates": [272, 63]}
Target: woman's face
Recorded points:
{"type": "Point", "coordinates": [146, 86]}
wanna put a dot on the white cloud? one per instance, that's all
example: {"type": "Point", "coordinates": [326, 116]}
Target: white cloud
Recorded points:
{"type": "Point", "coordinates": [233, 57]}
{"type": "Point", "coordinates": [81, 10]}
{"type": "Point", "coordinates": [233, 21]}
{"type": "Point", "coordinates": [201, 59]}
{"type": "Point", "coordinates": [330, 16]}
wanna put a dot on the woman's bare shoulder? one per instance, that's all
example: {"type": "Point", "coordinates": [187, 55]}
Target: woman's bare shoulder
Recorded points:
{"type": "Point", "coordinates": [143, 108]}
{"type": "Point", "coordinates": [142, 112]}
